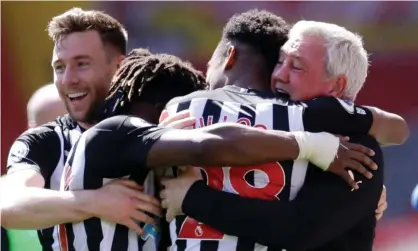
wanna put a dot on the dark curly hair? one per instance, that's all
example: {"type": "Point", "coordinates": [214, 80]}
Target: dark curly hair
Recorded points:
{"type": "Point", "coordinates": [139, 52]}
{"type": "Point", "coordinates": [155, 79]}
{"type": "Point", "coordinates": [262, 30]}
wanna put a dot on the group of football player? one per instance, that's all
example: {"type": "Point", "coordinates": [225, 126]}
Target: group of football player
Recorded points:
{"type": "Point", "coordinates": [267, 152]}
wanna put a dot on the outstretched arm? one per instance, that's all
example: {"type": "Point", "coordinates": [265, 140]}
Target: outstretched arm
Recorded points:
{"type": "Point", "coordinates": [342, 117]}
{"type": "Point", "coordinates": [238, 145]}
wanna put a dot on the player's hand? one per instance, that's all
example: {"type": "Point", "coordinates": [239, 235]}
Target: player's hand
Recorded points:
{"type": "Point", "coordinates": [353, 156]}
{"type": "Point", "coordinates": [181, 120]}
{"type": "Point", "coordinates": [382, 205]}
{"type": "Point", "coordinates": [122, 201]}
{"type": "Point", "coordinates": [176, 189]}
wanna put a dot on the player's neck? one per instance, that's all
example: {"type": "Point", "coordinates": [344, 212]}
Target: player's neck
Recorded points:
{"type": "Point", "coordinates": [84, 125]}
{"type": "Point", "coordinates": [255, 84]}
{"type": "Point", "coordinates": [248, 80]}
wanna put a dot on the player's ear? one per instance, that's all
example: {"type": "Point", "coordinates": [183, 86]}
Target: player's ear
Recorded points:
{"type": "Point", "coordinates": [339, 86]}
{"type": "Point", "coordinates": [119, 60]}
{"type": "Point", "coordinates": [230, 57]}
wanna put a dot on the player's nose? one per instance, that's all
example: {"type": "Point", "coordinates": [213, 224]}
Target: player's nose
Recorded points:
{"type": "Point", "coordinates": [70, 77]}
{"type": "Point", "coordinates": [279, 77]}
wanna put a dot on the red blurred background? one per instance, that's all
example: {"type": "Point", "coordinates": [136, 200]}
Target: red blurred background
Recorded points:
{"type": "Point", "coordinates": [191, 31]}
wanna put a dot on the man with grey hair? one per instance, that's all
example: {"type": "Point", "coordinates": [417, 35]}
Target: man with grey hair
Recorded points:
{"type": "Point", "coordinates": [44, 106]}
{"type": "Point", "coordinates": [319, 59]}
{"type": "Point", "coordinates": [331, 57]}
{"type": "Point", "coordinates": [324, 59]}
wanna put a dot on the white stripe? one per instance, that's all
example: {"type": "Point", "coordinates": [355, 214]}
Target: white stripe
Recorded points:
{"type": "Point", "coordinates": [264, 115]}
{"type": "Point", "coordinates": [228, 243]}
{"type": "Point", "coordinates": [300, 167]}
{"type": "Point", "coordinates": [78, 165]}
{"type": "Point", "coordinates": [172, 109]}
{"type": "Point", "coordinates": [133, 241]}
{"type": "Point", "coordinates": [77, 183]}
{"type": "Point", "coordinates": [56, 245]}
{"type": "Point", "coordinates": [259, 247]}
{"type": "Point", "coordinates": [108, 230]}
{"type": "Point", "coordinates": [196, 108]}
{"type": "Point", "coordinates": [229, 113]}
{"type": "Point", "coordinates": [173, 235]}
{"type": "Point", "coordinates": [55, 180]}
{"type": "Point", "coordinates": [57, 174]}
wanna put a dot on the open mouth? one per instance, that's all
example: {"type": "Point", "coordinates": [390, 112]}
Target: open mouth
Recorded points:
{"type": "Point", "coordinates": [282, 92]}
{"type": "Point", "coordinates": [77, 96]}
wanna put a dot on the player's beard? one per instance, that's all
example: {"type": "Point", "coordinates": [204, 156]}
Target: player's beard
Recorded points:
{"type": "Point", "coordinates": [93, 114]}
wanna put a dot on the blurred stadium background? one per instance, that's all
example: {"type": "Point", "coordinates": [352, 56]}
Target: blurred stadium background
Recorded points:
{"type": "Point", "coordinates": [191, 30]}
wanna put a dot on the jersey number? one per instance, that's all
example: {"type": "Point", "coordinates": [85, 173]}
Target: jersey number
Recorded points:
{"type": "Point", "coordinates": [274, 180]}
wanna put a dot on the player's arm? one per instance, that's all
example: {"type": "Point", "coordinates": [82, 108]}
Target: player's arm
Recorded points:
{"type": "Point", "coordinates": [25, 202]}
{"type": "Point", "coordinates": [131, 144]}
{"type": "Point", "coordinates": [388, 128]}
{"type": "Point", "coordinates": [305, 223]}
{"type": "Point", "coordinates": [348, 119]}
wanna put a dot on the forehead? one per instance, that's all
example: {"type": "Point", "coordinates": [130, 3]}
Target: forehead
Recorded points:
{"type": "Point", "coordinates": [308, 48]}
{"type": "Point", "coordinates": [79, 43]}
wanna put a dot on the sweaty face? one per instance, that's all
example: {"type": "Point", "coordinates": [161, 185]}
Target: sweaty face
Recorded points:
{"type": "Point", "coordinates": [300, 71]}
{"type": "Point", "coordinates": [215, 73]}
{"type": "Point", "coordinates": [82, 73]}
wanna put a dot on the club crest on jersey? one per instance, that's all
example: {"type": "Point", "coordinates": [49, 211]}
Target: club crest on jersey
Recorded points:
{"type": "Point", "coordinates": [18, 151]}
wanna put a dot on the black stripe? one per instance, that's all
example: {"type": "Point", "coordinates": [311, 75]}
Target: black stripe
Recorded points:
{"type": "Point", "coordinates": [70, 236]}
{"type": "Point", "coordinates": [165, 241]}
{"type": "Point", "coordinates": [183, 106]}
{"type": "Point", "coordinates": [248, 112]}
{"type": "Point", "coordinates": [93, 226]}
{"type": "Point", "coordinates": [120, 238]}
{"type": "Point", "coordinates": [141, 243]}
{"type": "Point", "coordinates": [211, 245]}
{"type": "Point", "coordinates": [244, 244]}
{"type": "Point", "coordinates": [46, 238]}
{"type": "Point", "coordinates": [281, 122]}
{"type": "Point", "coordinates": [211, 115]}
{"type": "Point", "coordinates": [211, 112]}
{"type": "Point", "coordinates": [181, 244]}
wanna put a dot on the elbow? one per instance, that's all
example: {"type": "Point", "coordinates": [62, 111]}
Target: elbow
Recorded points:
{"type": "Point", "coordinates": [400, 132]}
{"type": "Point", "coordinates": [404, 132]}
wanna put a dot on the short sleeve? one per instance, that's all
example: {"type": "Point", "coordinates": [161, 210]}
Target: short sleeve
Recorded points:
{"type": "Point", "coordinates": [38, 149]}
{"type": "Point", "coordinates": [119, 145]}
{"type": "Point", "coordinates": [336, 116]}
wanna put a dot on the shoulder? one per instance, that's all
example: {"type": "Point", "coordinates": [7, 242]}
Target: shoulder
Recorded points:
{"type": "Point", "coordinates": [39, 132]}
{"type": "Point", "coordinates": [120, 122]}
{"type": "Point", "coordinates": [191, 96]}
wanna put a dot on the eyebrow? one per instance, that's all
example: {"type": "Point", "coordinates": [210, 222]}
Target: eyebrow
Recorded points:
{"type": "Point", "coordinates": [296, 56]}
{"type": "Point", "coordinates": [78, 57]}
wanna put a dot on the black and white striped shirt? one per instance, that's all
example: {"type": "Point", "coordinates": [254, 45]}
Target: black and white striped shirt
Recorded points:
{"type": "Point", "coordinates": [93, 162]}
{"type": "Point", "coordinates": [273, 181]}
{"type": "Point", "coordinates": [45, 149]}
